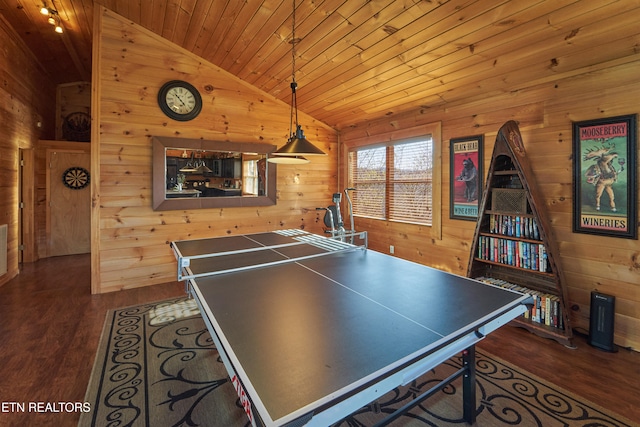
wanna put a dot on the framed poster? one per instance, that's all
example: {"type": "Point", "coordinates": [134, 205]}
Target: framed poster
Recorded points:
{"type": "Point", "coordinates": [466, 177]}
{"type": "Point", "coordinates": [604, 177]}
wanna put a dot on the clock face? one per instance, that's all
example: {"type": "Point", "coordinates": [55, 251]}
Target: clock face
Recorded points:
{"type": "Point", "coordinates": [179, 100]}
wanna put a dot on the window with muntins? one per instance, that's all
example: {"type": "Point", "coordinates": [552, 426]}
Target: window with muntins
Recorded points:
{"type": "Point", "coordinates": [394, 182]}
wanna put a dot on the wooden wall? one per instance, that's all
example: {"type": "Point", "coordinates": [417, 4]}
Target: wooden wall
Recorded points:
{"type": "Point", "coordinates": [130, 240]}
{"type": "Point", "coordinates": [545, 112]}
{"type": "Point", "coordinates": [27, 97]}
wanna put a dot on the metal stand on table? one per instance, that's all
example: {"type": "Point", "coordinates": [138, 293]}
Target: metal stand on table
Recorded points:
{"type": "Point", "coordinates": [333, 218]}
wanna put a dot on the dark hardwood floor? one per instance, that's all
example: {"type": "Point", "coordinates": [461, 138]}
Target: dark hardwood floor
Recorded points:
{"type": "Point", "coordinates": [50, 325]}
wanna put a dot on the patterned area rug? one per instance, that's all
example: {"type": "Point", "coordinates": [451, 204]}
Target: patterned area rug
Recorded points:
{"type": "Point", "coordinates": [157, 366]}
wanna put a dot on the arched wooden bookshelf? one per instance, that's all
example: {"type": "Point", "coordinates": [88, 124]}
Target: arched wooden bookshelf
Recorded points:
{"type": "Point", "coordinates": [513, 245]}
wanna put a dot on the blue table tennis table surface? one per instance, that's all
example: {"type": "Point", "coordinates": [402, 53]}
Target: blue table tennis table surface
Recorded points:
{"type": "Point", "coordinates": [307, 327]}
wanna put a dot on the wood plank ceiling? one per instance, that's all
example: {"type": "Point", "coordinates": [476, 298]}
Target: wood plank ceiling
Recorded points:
{"type": "Point", "coordinates": [358, 60]}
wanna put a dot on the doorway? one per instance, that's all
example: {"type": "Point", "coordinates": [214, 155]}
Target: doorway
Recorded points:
{"type": "Point", "coordinates": [68, 227]}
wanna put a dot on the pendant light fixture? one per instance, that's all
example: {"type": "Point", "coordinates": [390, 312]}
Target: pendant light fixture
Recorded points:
{"type": "Point", "coordinates": [190, 166]}
{"type": "Point", "coordinates": [195, 166]}
{"type": "Point", "coordinates": [297, 146]}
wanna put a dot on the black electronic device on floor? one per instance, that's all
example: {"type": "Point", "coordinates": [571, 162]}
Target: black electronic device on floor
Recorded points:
{"type": "Point", "coordinates": [602, 320]}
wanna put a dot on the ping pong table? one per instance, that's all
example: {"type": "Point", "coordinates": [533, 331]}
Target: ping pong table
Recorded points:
{"type": "Point", "coordinates": [311, 329]}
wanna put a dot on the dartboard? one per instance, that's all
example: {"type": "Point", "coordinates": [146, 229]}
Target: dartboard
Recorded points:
{"type": "Point", "coordinates": [76, 178]}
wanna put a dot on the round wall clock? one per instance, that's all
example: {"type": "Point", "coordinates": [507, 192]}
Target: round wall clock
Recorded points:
{"type": "Point", "coordinates": [76, 178]}
{"type": "Point", "coordinates": [179, 100]}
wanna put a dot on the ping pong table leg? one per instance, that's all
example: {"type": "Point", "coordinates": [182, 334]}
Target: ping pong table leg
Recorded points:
{"type": "Point", "coordinates": [469, 385]}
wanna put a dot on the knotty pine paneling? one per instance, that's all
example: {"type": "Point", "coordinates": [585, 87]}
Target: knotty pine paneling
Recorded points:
{"type": "Point", "coordinates": [496, 67]}
{"type": "Point", "coordinates": [545, 111]}
{"type": "Point", "coordinates": [26, 99]}
{"type": "Point", "coordinates": [130, 241]}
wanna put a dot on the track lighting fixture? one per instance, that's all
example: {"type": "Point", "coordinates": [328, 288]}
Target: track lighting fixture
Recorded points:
{"type": "Point", "coordinates": [53, 17]}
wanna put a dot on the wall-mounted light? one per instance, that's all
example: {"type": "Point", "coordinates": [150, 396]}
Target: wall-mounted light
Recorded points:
{"type": "Point", "coordinates": [53, 17]}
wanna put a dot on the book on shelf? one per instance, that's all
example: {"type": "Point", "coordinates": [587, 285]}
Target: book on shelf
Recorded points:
{"type": "Point", "coordinates": [527, 255]}
{"type": "Point", "coordinates": [514, 226]}
{"type": "Point", "coordinates": [546, 308]}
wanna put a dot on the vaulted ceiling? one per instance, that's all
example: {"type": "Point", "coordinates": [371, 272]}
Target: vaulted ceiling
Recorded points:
{"type": "Point", "coordinates": [357, 60]}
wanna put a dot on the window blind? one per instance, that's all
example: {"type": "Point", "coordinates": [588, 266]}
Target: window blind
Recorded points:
{"type": "Point", "coordinates": [250, 177]}
{"type": "Point", "coordinates": [410, 180]}
{"type": "Point", "coordinates": [368, 171]}
{"type": "Point", "coordinates": [394, 182]}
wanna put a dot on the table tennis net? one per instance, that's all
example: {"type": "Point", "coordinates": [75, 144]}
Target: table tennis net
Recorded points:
{"type": "Point", "coordinates": [300, 247]}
